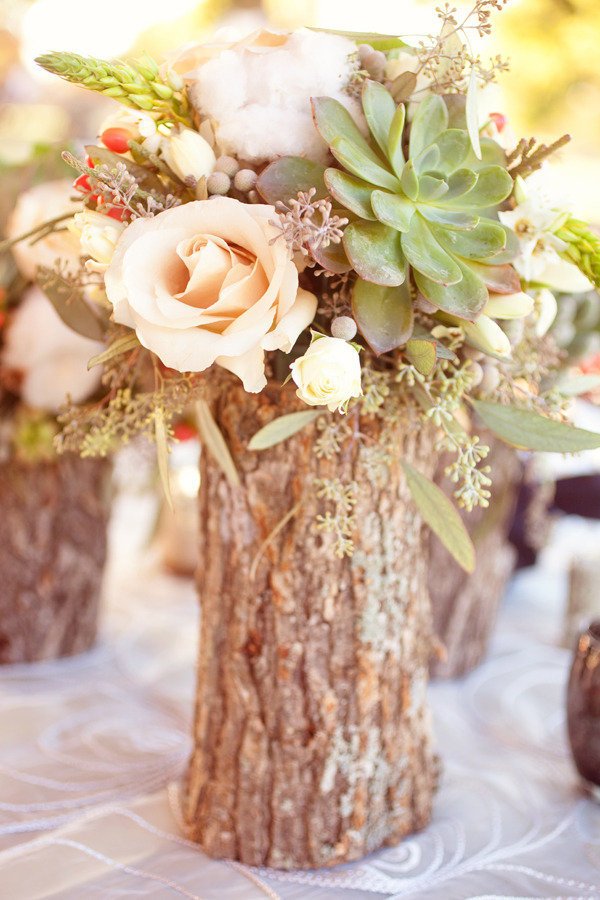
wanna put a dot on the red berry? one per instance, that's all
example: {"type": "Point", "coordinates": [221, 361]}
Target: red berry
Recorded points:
{"type": "Point", "coordinates": [89, 162]}
{"type": "Point", "coordinates": [82, 184]}
{"type": "Point", "coordinates": [499, 120]}
{"type": "Point", "coordinates": [117, 212]}
{"type": "Point", "coordinates": [2, 317]}
{"type": "Point", "coordinates": [184, 432]}
{"type": "Point", "coordinates": [116, 139]}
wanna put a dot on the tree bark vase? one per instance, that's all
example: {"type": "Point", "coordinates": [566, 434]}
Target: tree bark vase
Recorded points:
{"type": "Point", "coordinates": [312, 737]}
{"type": "Point", "coordinates": [465, 607]}
{"type": "Point", "coordinates": [53, 535]}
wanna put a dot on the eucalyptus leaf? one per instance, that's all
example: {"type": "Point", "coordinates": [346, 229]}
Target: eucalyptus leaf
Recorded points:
{"type": "Point", "coordinates": [282, 428]}
{"type": "Point", "coordinates": [213, 440]}
{"type": "Point", "coordinates": [121, 345]}
{"type": "Point", "coordinates": [422, 354]}
{"type": "Point", "coordinates": [529, 430]}
{"type": "Point", "coordinates": [384, 315]}
{"type": "Point", "coordinates": [69, 302]}
{"type": "Point", "coordinates": [442, 517]}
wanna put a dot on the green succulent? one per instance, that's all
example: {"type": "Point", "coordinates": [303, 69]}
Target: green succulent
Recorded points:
{"type": "Point", "coordinates": [433, 209]}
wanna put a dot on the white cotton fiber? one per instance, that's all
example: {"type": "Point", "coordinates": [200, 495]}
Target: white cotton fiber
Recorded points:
{"type": "Point", "coordinates": [260, 99]}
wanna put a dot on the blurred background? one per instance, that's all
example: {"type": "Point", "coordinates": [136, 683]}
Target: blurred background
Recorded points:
{"type": "Point", "coordinates": [553, 85]}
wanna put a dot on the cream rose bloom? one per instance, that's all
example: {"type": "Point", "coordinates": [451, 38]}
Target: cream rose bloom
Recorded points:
{"type": "Point", "coordinates": [33, 208]}
{"type": "Point", "coordinates": [50, 357]}
{"type": "Point", "coordinates": [209, 282]}
{"type": "Point", "coordinates": [328, 374]}
{"type": "Point", "coordinates": [98, 235]}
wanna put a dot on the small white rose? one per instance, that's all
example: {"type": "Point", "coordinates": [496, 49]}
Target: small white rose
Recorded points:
{"type": "Point", "coordinates": [98, 235]}
{"type": "Point", "coordinates": [328, 374]}
{"type": "Point", "coordinates": [187, 153]}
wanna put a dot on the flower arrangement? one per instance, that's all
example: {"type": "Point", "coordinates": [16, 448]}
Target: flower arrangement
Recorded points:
{"type": "Point", "coordinates": [43, 360]}
{"type": "Point", "coordinates": [332, 209]}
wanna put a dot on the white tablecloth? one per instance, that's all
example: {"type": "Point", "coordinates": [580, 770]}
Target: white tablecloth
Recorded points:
{"type": "Point", "coordinates": [91, 750]}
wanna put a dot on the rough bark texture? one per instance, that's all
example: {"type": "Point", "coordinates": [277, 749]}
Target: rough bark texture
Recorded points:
{"type": "Point", "coordinates": [52, 553]}
{"type": "Point", "coordinates": [312, 732]}
{"type": "Point", "coordinates": [465, 606]}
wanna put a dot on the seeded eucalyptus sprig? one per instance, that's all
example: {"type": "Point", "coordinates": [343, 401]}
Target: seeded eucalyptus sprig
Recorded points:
{"type": "Point", "coordinates": [583, 248]}
{"type": "Point", "coordinates": [138, 83]}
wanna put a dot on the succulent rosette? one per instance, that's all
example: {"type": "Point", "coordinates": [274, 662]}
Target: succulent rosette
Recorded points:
{"type": "Point", "coordinates": [326, 208]}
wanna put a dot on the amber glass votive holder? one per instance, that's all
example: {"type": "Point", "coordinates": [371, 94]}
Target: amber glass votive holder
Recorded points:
{"type": "Point", "coordinates": [583, 708]}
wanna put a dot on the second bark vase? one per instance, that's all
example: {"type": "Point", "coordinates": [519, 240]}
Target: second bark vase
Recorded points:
{"type": "Point", "coordinates": [312, 735]}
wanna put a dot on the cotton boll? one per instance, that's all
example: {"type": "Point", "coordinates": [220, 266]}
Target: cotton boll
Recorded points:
{"type": "Point", "coordinates": [51, 358]}
{"type": "Point", "coordinates": [259, 99]}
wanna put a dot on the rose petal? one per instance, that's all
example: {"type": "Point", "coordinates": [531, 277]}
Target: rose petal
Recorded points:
{"type": "Point", "coordinates": [287, 331]}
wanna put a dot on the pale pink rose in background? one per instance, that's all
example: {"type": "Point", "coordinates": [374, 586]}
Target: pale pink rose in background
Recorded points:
{"type": "Point", "coordinates": [209, 282]}
{"type": "Point", "coordinates": [50, 358]}
{"type": "Point", "coordinates": [34, 207]}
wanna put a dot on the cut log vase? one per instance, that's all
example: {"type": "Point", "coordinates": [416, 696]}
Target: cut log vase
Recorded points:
{"type": "Point", "coordinates": [53, 532]}
{"type": "Point", "coordinates": [465, 607]}
{"type": "Point", "coordinates": [312, 740]}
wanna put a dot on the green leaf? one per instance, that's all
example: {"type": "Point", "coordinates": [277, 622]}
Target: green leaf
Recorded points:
{"type": "Point", "coordinates": [529, 430]}
{"type": "Point", "coordinates": [379, 108]}
{"type": "Point", "coordinates": [362, 165]}
{"type": "Point", "coordinates": [395, 153]}
{"type": "Point", "coordinates": [452, 218]}
{"type": "Point", "coordinates": [501, 279]}
{"type": "Point", "coordinates": [428, 159]}
{"type": "Point", "coordinates": [384, 315]}
{"type": "Point", "coordinates": [334, 122]}
{"type": "Point", "coordinates": [282, 428]}
{"type": "Point", "coordinates": [426, 256]}
{"type": "Point", "coordinates": [442, 517]}
{"type": "Point", "coordinates": [353, 193]}
{"type": "Point", "coordinates": [472, 113]}
{"type": "Point", "coordinates": [485, 240]}
{"type": "Point", "coordinates": [382, 42]}
{"type": "Point", "coordinates": [453, 145]}
{"type": "Point", "coordinates": [333, 258]}
{"type": "Point", "coordinates": [431, 118]}
{"type": "Point", "coordinates": [409, 181]}
{"type": "Point", "coordinates": [67, 299]}
{"type": "Point", "coordinates": [465, 299]}
{"type": "Point", "coordinates": [459, 183]}
{"type": "Point", "coordinates": [283, 179]}
{"type": "Point", "coordinates": [213, 440]}
{"type": "Point", "coordinates": [421, 353]}
{"type": "Point", "coordinates": [162, 453]}
{"type": "Point", "coordinates": [431, 188]}
{"type": "Point", "coordinates": [392, 209]}
{"type": "Point", "coordinates": [494, 185]}
{"type": "Point", "coordinates": [121, 345]}
{"type": "Point", "coordinates": [375, 252]}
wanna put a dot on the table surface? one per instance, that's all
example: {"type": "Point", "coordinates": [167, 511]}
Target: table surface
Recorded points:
{"type": "Point", "coordinates": [92, 748]}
